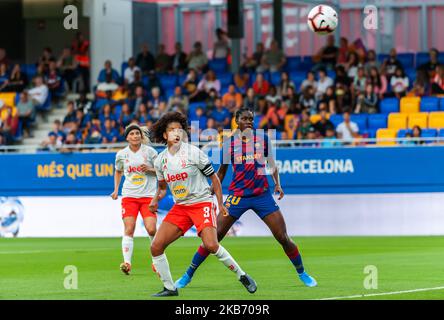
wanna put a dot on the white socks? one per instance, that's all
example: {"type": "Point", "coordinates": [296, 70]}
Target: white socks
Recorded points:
{"type": "Point", "coordinates": [127, 248]}
{"type": "Point", "coordinates": [163, 269]}
{"type": "Point", "coordinates": [225, 257]}
{"type": "Point", "coordinates": [151, 238]}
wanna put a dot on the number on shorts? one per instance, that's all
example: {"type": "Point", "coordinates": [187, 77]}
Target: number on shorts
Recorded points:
{"type": "Point", "coordinates": [206, 212]}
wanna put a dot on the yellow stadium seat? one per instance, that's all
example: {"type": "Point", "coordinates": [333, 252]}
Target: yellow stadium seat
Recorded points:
{"type": "Point", "coordinates": [418, 119]}
{"type": "Point", "coordinates": [3, 113]}
{"type": "Point", "coordinates": [397, 121]}
{"type": "Point", "coordinates": [8, 98]}
{"type": "Point", "coordinates": [410, 104]}
{"type": "Point", "coordinates": [436, 120]}
{"type": "Point", "coordinates": [315, 118]}
{"type": "Point", "coordinates": [385, 134]}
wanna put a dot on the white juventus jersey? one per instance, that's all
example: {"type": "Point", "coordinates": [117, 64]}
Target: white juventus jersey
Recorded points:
{"type": "Point", "coordinates": [137, 184]}
{"type": "Point", "coordinates": [186, 174]}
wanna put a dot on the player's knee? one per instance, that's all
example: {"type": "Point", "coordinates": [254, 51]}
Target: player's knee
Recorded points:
{"type": "Point", "coordinates": [151, 230]}
{"type": "Point", "coordinates": [211, 246]}
{"type": "Point", "coordinates": [157, 248]}
{"type": "Point", "coordinates": [282, 238]}
{"type": "Point", "coordinates": [129, 231]}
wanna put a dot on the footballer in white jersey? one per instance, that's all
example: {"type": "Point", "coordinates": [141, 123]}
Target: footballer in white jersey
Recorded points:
{"type": "Point", "coordinates": [184, 169]}
{"type": "Point", "coordinates": [136, 163]}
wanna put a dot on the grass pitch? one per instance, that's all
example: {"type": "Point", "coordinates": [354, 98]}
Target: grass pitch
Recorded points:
{"type": "Point", "coordinates": [34, 268]}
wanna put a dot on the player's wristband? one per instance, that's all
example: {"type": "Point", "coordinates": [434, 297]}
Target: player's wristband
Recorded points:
{"type": "Point", "coordinates": [208, 170]}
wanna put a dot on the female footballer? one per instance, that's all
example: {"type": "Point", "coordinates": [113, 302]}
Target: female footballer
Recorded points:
{"type": "Point", "coordinates": [249, 189]}
{"type": "Point", "coordinates": [136, 163]}
{"type": "Point", "coordinates": [185, 169]}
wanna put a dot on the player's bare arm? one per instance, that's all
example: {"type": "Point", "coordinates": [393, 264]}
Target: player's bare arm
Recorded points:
{"type": "Point", "coordinates": [217, 187]}
{"type": "Point", "coordinates": [117, 178]}
{"type": "Point", "coordinates": [275, 174]}
{"type": "Point", "coordinates": [160, 194]}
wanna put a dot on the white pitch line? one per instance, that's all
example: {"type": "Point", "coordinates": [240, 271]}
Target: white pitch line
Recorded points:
{"type": "Point", "coordinates": [382, 293]}
{"type": "Point", "coordinates": [59, 250]}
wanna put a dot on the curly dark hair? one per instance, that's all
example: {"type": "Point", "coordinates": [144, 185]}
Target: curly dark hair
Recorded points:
{"type": "Point", "coordinates": [159, 128]}
{"type": "Point", "coordinates": [240, 111]}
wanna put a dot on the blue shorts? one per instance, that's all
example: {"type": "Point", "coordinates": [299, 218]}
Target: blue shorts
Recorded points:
{"type": "Point", "coordinates": [262, 205]}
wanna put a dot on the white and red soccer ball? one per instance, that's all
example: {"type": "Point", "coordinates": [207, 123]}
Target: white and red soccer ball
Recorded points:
{"type": "Point", "coordinates": [322, 19]}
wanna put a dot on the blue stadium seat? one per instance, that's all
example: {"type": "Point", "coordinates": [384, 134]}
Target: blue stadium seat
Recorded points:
{"type": "Point", "coordinates": [30, 70]}
{"type": "Point", "coordinates": [218, 65]}
{"type": "Point", "coordinates": [275, 78]}
{"type": "Point", "coordinates": [403, 132]}
{"type": "Point", "coordinates": [225, 79]}
{"type": "Point", "coordinates": [360, 120]}
{"type": "Point", "coordinates": [407, 59]}
{"type": "Point", "coordinates": [278, 135]}
{"type": "Point", "coordinates": [169, 93]}
{"type": "Point", "coordinates": [145, 81]}
{"type": "Point", "coordinates": [381, 57]}
{"type": "Point", "coordinates": [223, 90]}
{"type": "Point", "coordinates": [257, 120]}
{"type": "Point", "coordinates": [118, 110]}
{"type": "Point", "coordinates": [421, 58]}
{"type": "Point", "coordinates": [307, 63]}
{"type": "Point", "coordinates": [429, 104]}
{"type": "Point", "coordinates": [441, 133]}
{"type": "Point", "coordinates": [100, 103]}
{"type": "Point", "coordinates": [336, 119]}
{"type": "Point", "coordinates": [441, 57]}
{"type": "Point", "coordinates": [19, 134]}
{"type": "Point", "coordinates": [377, 121]}
{"type": "Point", "coordinates": [429, 133]}
{"type": "Point", "coordinates": [168, 81]}
{"type": "Point", "coordinates": [331, 74]}
{"type": "Point", "coordinates": [293, 64]}
{"type": "Point", "coordinates": [441, 104]}
{"type": "Point", "coordinates": [371, 133]}
{"type": "Point", "coordinates": [389, 105]}
{"type": "Point", "coordinates": [411, 74]}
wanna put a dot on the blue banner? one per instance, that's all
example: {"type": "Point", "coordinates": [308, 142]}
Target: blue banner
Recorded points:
{"type": "Point", "coordinates": [302, 171]}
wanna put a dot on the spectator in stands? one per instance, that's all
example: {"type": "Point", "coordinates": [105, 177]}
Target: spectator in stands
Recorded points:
{"type": "Point", "coordinates": [9, 123]}
{"type": "Point", "coordinates": [417, 133]}
{"type": "Point", "coordinates": [358, 85]}
{"type": "Point", "coordinates": [307, 100]}
{"type": "Point", "coordinates": [138, 99]}
{"type": "Point", "coordinates": [17, 80]}
{"type": "Point", "coordinates": [3, 57]}
{"type": "Point", "coordinates": [197, 60]}
{"type": "Point", "coordinates": [378, 82]}
{"type": "Point", "coordinates": [399, 83]}
{"type": "Point", "coordinates": [178, 102]}
{"type": "Point", "coordinates": [251, 63]}
{"type": "Point", "coordinates": [323, 83]}
{"type": "Point", "coordinates": [210, 102]}
{"type": "Point", "coordinates": [70, 119]}
{"type": "Point", "coordinates": [308, 81]}
{"type": "Point", "coordinates": [371, 62]}
{"type": "Point", "coordinates": [328, 101]}
{"type": "Point", "coordinates": [438, 80]}
{"type": "Point", "coordinates": [201, 118]}
{"type": "Point", "coordinates": [284, 84]}
{"type": "Point", "coordinates": [292, 101]}
{"type": "Point", "coordinates": [141, 114]}
{"type": "Point", "coordinates": [155, 99]}
{"type": "Point", "coordinates": [368, 101]}
{"type": "Point", "coordinates": [129, 72]}
{"type": "Point", "coordinates": [391, 64]}
{"type": "Point", "coordinates": [273, 60]}
{"type": "Point", "coordinates": [107, 73]}
{"type": "Point", "coordinates": [71, 140]}
{"type": "Point", "coordinates": [4, 76]}
{"type": "Point", "coordinates": [221, 115]}
{"type": "Point", "coordinates": [304, 125]}
{"type": "Point", "coordinates": [178, 59]}
{"type": "Point", "coordinates": [26, 112]}
{"type": "Point", "coordinates": [291, 126]}
{"type": "Point", "coordinates": [352, 65]}
{"type": "Point", "coordinates": [80, 48]}
{"type": "Point", "coordinates": [67, 66]}
{"type": "Point", "coordinates": [327, 56]}
{"type": "Point", "coordinates": [311, 135]}
{"type": "Point", "coordinates": [126, 116]}
{"type": "Point", "coordinates": [241, 81]}
{"type": "Point", "coordinates": [343, 51]}
{"type": "Point", "coordinates": [210, 133]}
{"type": "Point", "coordinates": [38, 93]}
{"type": "Point", "coordinates": [81, 119]}
{"type": "Point", "coordinates": [58, 130]}
{"type": "Point", "coordinates": [221, 48]}
{"type": "Point", "coordinates": [106, 113]}
{"type": "Point", "coordinates": [121, 94]}
{"type": "Point", "coordinates": [109, 132]}
{"type": "Point", "coordinates": [53, 81]}
{"type": "Point", "coordinates": [45, 58]}
{"type": "Point", "coordinates": [145, 60]}
{"type": "Point", "coordinates": [261, 86]}
{"type": "Point", "coordinates": [323, 124]}
{"type": "Point", "coordinates": [330, 139]}
{"type": "Point", "coordinates": [209, 82]}
{"type": "Point", "coordinates": [162, 60]}
{"type": "Point", "coordinates": [190, 85]}
{"type": "Point", "coordinates": [273, 97]}
{"type": "Point", "coordinates": [347, 130]}
{"type": "Point", "coordinates": [138, 81]}
{"type": "Point", "coordinates": [153, 81]}
{"type": "Point", "coordinates": [430, 66]}
{"type": "Point", "coordinates": [83, 102]}
{"type": "Point", "coordinates": [51, 144]}
{"type": "Point", "coordinates": [232, 100]}
{"type": "Point", "coordinates": [250, 100]}
{"type": "Point", "coordinates": [40, 71]}
{"type": "Point", "coordinates": [157, 113]}
{"type": "Point", "coordinates": [262, 106]}
{"type": "Point", "coordinates": [94, 136]}
{"type": "Point", "coordinates": [421, 86]}
{"type": "Point", "coordinates": [342, 89]}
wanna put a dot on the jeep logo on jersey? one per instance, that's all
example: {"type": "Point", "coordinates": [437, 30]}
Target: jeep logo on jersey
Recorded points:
{"type": "Point", "coordinates": [134, 169]}
{"type": "Point", "coordinates": [180, 191]}
{"type": "Point", "coordinates": [176, 177]}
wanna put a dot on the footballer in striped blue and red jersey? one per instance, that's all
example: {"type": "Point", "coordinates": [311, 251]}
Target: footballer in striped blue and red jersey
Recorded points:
{"type": "Point", "coordinates": [249, 152]}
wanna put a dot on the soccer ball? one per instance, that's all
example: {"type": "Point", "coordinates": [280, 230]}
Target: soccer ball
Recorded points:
{"type": "Point", "coordinates": [322, 19]}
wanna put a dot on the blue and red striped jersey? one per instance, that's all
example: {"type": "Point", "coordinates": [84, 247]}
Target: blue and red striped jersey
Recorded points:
{"type": "Point", "coordinates": [248, 159]}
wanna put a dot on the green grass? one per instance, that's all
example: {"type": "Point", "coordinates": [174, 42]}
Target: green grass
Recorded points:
{"type": "Point", "coordinates": [34, 268]}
